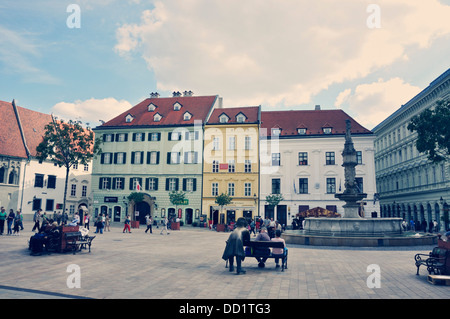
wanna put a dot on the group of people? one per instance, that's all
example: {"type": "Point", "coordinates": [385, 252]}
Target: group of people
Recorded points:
{"type": "Point", "coordinates": [14, 222]}
{"type": "Point", "coordinates": [431, 226]}
{"type": "Point", "coordinates": [234, 248]}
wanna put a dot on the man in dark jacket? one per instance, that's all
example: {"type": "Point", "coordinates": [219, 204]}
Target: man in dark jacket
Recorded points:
{"type": "Point", "coordinates": [235, 245]}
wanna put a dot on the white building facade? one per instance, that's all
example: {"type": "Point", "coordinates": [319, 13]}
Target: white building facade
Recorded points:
{"type": "Point", "coordinates": [301, 159]}
{"type": "Point", "coordinates": [410, 186]}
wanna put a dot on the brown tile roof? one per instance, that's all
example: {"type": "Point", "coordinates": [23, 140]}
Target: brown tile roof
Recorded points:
{"type": "Point", "coordinates": [33, 124]}
{"type": "Point", "coordinates": [252, 114]}
{"type": "Point", "coordinates": [198, 106]}
{"type": "Point", "coordinates": [313, 120]}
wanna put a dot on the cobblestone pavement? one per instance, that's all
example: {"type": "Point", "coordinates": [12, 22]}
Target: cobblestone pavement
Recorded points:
{"type": "Point", "coordinates": [187, 264]}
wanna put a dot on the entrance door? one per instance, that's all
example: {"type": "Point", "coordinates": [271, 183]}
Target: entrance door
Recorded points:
{"type": "Point", "coordinates": [282, 214]}
{"type": "Point", "coordinates": [189, 215]}
{"type": "Point", "coordinates": [268, 211]}
{"type": "Point", "coordinates": [143, 208]}
{"type": "Point", "coordinates": [117, 211]}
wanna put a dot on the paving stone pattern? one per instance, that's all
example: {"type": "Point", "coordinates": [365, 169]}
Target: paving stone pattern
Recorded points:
{"type": "Point", "coordinates": [187, 264]}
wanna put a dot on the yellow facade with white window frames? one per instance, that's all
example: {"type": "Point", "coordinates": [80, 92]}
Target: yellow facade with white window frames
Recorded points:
{"type": "Point", "coordinates": [231, 166]}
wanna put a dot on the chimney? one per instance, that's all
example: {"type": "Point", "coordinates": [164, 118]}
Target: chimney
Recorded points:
{"type": "Point", "coordinates": [317, 108]}
{"type": "Point", "coordinates": [188, 93]}
{"type": "Point", "coordinates": [154, 95]}
{"type": "Point", "coordinates": [176, 94]}
{"type": "Point", "coordinates": [220, 102]}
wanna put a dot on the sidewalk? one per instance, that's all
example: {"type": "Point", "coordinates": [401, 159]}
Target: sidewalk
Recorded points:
{"type": "Point", "coordinates": [187, 264]}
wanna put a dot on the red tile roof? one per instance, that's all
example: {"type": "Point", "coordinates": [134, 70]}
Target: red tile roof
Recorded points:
{"type": "Point", "coordinates": [313, 120]}
{"type": "Point", "coordinates": [33, 126]}
{"type": "Point", "coordinates": [252, 114]}
{"type": "Point", "coordinates": [198, 106]}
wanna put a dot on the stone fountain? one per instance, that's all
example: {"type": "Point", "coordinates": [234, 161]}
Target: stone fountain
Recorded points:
{"type": "Point", "coordinates": [351, 229]}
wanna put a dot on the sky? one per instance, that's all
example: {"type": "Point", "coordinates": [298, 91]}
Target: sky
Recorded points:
{"type": "Point", "coordinates": [94, 59]}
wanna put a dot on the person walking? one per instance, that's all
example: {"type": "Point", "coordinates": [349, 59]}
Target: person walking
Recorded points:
{"type": "Point", "coordinates": [2, 220]}
{"type": "Point", "coordinates": [17, 222]}
{"type": "Point", "coordinates": [165, 221]}
{"type": "Point", "coordinates": [127, 225]}
{"type": "Point", "coordinates": [234, 248]}
{"type": "Point", "coordinates": [149, 221]}
{"type": "Point", "coordinates": [10, 221]}
{"type": "Point", "coordinates": [107, 222]}
{"type": "Point", "coordinates": [36, 217]}
{"type": "Point", "coordinates": [86, 221]}
{"type": "Point", "coordinates": [99, 225]}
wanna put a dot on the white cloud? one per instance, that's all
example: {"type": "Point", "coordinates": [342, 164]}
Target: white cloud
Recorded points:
{"type": "Point", "coordinates": [371, 103]}
{"type": "Point", "coordinates": [92, 110]}
{"type": "Point", "coordinates": [276, 52]}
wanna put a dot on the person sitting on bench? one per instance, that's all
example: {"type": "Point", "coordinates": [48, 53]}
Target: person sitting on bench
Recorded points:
{"type": "Point", "coordinates": [278, 251]}
{"type": "Point", "coordinates": [262, 236]}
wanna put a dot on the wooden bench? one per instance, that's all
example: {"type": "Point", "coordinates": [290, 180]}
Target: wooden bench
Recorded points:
{"type": "Point", "coordinates": [82, 242]}
{"type": "Point", "coordinates": [435, 261]}
{"type": "Point", "coordinates": [262, 250]}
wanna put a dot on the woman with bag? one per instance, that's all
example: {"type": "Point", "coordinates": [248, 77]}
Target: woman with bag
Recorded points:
{"type": "Point", "coordinates": [127, 225]}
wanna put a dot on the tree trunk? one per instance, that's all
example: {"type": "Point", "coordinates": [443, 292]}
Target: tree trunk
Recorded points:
{"type": "Point", "coordinates": [65, 191]}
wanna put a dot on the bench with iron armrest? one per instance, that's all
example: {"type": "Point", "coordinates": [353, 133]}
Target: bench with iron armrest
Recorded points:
{"type": "Point", "coordinates": [262, 250]}
{"type": "Point", "coordinates": [81, 242]}
{"type": "Point", "coordinates": [435, 261]}
{"type": "Point", "coordinates": [70, 239]}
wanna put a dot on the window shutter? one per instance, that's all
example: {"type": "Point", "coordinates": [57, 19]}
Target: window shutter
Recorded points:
{"type": "Point", "coordinates": [100, 184]}
{"type": "Point", "coordinates": [156, 184]}
{"type": "Point", "coordinates": [102, 157]}
{"type": "Point", "coordinates": [132, 157]}
{"type": "Point", "coordinates": [167, 184]}
{"type": "Point", "coordinates": [168, 157]}
{"type": "Point", "coordinates": [131, 183]}
{"type": "Point", "coordinates": [142, 157]}
{"type": "Point", "coordinates": [148, 157]}
{"type": "Point", "coordinates": [115, 158]}
{"type": "Point", "coordinates": [134, 137]}
{"type": "Point", "coordinates": [176, 184]}
{"type": "Point", "coordinates": [124, 158]}
{"type": "Point", "coordinates": [157, 157]}
{"type": "Point", "coordinates": [170, 136]}
{"type": "Point", "coordinates": [184, 184]}
{"type": "Point", "coordinates": [194, 185]}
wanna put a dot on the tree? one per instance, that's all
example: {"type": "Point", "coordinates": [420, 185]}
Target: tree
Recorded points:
{"type": "Point", "coordinates": [274, 199]}
{"type": "Point", "coordinates": [177, 198]}
{"type": "Point", "coordinates": [66, 144]}
{"type": "Point", "coordinates": [223, 200]}
{"type": "Point", "coordinates": [433, 132]}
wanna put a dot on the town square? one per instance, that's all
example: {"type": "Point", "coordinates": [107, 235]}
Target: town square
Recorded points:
{"type": "Point", "coordinates": [242, 153]}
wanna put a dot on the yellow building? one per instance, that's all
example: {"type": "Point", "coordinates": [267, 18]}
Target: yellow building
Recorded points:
{"type": "Point", "coordinates": [231, 164]}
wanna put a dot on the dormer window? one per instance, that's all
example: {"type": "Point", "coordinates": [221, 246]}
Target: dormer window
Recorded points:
{"type": "Point", "coordinates": [276, 131]}
{"type": "Point", "coordinates": [187, 116]}
{"type": "Point", "coordinates": [129, 118]}
{"type": "Point", "coordinates": [224, 118]}
{"type": "Point", "coordinates": [240, 118]}
{"type": "Point", "coordinates": [326, 130]}
{"type": "Point", "coordinates": [301, 131]}
{"type": "Point", "coordinates": [151, 107]}
{"type": "Point", "coordinates": [177, 106]}
{"type": "Point", "coordinates": [157, 117]}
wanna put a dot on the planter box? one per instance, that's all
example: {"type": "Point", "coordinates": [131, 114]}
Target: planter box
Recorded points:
{"type": "Point", "coordinates": [221, 227]}
{"type": "Point", "coordinates": [175, 226]}
{"type": "Point", "coordinates": [135, 224]}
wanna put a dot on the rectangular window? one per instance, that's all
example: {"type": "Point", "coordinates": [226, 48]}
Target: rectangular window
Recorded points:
{"type": "Point", "coordinates": [122, 137]}
{"type": "Point", "coordinates": [331, 185]}
{"type": "Point", "coordinates": [73, 190]}
{"type": "Point", "coordinates": [276, 158]}
{"type": "Point", "coordinates": [191, 157]}
{"type": "Point", "coordinates": [232, 143]}
{"type": "Point", "coordinates": [329, 158]}
{"type": "Point", "coordinates": [108, 137]}
{"type": "Point", "coordinates": [174, 136]}
{"type": "Point", "coordinates": [216, 144]}
{"type": "Point", "coordinates": [51, 181]}
{"type": "Point", "coordinates": [135, 183]}
{"type": "Point", "coordinates": [248, 166]}
{"type": "Point", "coordinates": [38, 180]}
{"type": "Point", "coordinates": [172, 184]}
{"type": "Point", "coordinates": [276, 186]}
{"type": "Point", "coordinates": [215, 189]}
{"type": "Point", "coordinates": [303, 186]}
{"type": "Point", "coordinates": [231, 166]}
{"type": "Point", "coordinates": [83, 191]}
{"type": "Point", "coordinates": [106, 158]}
{"type": "Point", "coordinates": [215, 167]}
{"type": "Point", "coordinates": [118, 183]}
{"type": "Point", "coordinates": [86, 167]}
{"type": "Point", "coordinates": [231, 189]}
{"type": "Point", "coordinates": [49, 204]}
{"type": "Point", "coordinates": [191, 136]}
{"type": "Point", "coordinates": [137, 157]}
{"type": "Point", "coordinates": [154, 137]}
{"type": "Point", "coordinates": [105, 183]}
{"type": "Point", "coordinates": [120, 158]}
{"type": "Point", "coordinates": [359, 156]}
{"type": "Point", "coordinates": [302, 158]}
{"type": "Point", "coordinates": [189, 184]}
{"type": "Point", "coordinates": [138, 137]}
{"type": "Point", "coordinates": [151, 184]}
{"type": "Point", "coordinates": [359, 184]}
{"type": "Point", "coordinates": [248, 189]}
{"type": "Point", "coordinates": [248, 143]}
{"type": "Point", "coordinates": [173, 157]}
{"type": "Point", "coordinates": [153, 158]}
